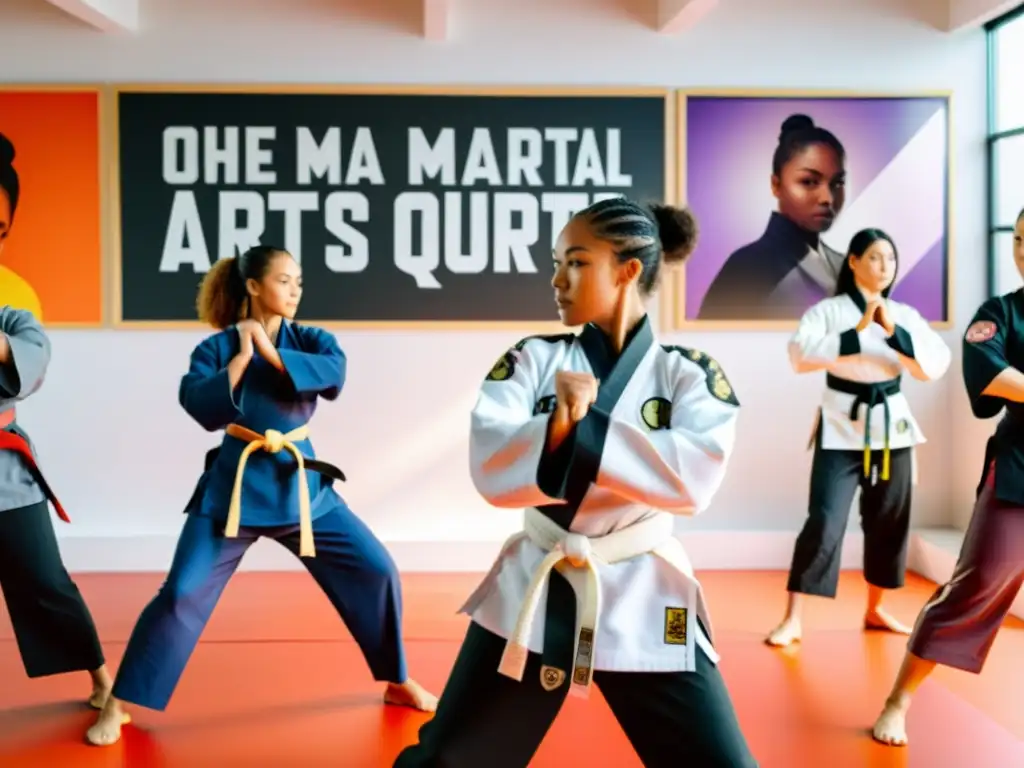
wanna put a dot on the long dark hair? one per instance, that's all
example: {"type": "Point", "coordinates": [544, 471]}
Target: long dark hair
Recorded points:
{"type": "Point", "coordinates": [859, 245]}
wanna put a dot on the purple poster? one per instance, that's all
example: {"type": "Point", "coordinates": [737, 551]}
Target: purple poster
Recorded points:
{"type": "Point", "coordinates": [777, 207]}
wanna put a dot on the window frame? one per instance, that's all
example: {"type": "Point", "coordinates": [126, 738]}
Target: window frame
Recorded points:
{"type": "Point", "coordinates": [994, 137]}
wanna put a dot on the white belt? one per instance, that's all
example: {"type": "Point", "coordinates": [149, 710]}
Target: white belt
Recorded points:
{"type": "Point", "coordinates": [653, 535]}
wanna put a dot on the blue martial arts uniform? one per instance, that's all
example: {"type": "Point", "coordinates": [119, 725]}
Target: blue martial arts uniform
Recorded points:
{"type": "Point", "coordinates": [351, 565]}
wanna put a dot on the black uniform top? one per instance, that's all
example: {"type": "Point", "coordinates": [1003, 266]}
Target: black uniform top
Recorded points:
{"type": "Point", "coordinates": [764, 279]}
{"type": "Point", "coordinates": [994, 341]}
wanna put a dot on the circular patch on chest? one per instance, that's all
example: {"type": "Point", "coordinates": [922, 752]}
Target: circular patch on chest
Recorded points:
{"type": "Point", "coordinates": [983, 330]}
{"type": "Point", "coordinates": [656, 413]}
{"type": "Point", "coordinates": [902, 426]}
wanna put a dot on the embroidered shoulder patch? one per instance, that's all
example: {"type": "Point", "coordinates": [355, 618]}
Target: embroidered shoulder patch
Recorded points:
{"type": "Point", "coordinates": [505, 367]}
{"type": "Point", "coordinates": [980, 331]}
{"type": "Point", "coordinates": [555, 338]}
{"type": "Point", "coordinates": [715, 378]}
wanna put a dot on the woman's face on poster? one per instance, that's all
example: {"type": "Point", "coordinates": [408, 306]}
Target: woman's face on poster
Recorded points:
{"type": "Point", "coordinates": [812, 188]}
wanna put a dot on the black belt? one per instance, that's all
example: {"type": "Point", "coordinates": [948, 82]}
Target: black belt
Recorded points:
{"type": "Point", "coordinates": [313, 465]}
{"type": "Point", "coordinates": [870, 395]}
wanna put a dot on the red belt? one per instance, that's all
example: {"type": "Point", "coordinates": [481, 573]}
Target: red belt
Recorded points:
{"type": "Point", "coordinates": [9, 441]}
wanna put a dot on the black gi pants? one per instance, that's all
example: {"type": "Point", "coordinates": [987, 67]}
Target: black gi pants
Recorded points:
{"type": "Point", "coordinates": [53, 626]}
{"type": "Point", "coordinates": [884, 518]}
{"type": "Point", "coordinates": [487, 720]}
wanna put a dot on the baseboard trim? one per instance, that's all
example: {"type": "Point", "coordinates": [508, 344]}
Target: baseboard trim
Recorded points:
{"type": "Point", "coordinates": [933, 554]}
{"type": "Point", "coordinates": [708, 550]}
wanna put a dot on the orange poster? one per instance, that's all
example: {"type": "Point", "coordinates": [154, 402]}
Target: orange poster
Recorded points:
{"type": "Point", "coordinates": [51, 251]}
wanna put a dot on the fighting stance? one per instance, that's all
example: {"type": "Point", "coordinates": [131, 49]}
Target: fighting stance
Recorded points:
{"type": "Point", "coordinates": [52, 624]}
{"type": "Point", "coordinates": [258, 379]}
{"type": "Point", "coordinates": [602, 437]}
{"type": "Point", "coordinates": [957, 626]}
{"type": "Point", "coordinates": [864, 432]}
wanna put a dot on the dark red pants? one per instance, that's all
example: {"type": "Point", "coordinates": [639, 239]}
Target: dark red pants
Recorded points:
{"type": "Point", "coordinates": [957, 626]}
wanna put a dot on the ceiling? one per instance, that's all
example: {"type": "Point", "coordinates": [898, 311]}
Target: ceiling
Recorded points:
{"type": "Point", "coordinates": [669, 17]}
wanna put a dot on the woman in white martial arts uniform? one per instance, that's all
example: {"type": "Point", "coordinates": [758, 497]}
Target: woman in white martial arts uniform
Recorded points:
{"type": "Point", "coordinates": [864, 434]}
{"type": "Point", "coordinates": [602, 437]}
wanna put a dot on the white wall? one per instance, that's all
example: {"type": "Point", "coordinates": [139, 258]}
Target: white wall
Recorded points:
{"type": "Point", "coordinates": [125, 457]}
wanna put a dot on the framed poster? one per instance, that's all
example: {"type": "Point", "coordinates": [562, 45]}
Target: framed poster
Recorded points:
{"type": "Point", "coordinates": [52, 195]}
{"type": "Point", "coordinates": [405, 207]}
{"type": "Point", "coordinates": [781, 182]}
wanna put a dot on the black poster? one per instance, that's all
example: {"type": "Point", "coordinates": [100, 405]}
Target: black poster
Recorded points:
{"type": "Point", "coordinates": [400, 208]}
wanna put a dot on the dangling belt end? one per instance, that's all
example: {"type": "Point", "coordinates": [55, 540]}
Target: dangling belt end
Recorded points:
{"type": "Point", "coordinates": [273, 442]}
{"type": "Point", "coordinates": [869, 395]}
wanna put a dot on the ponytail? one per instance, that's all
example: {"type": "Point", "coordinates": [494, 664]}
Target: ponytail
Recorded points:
{"type": "Point", "coordinates": [223, 299]}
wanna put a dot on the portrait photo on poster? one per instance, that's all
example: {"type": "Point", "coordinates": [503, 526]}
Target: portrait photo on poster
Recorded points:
{"type": "Point", "coordinates": [781, 184]}
{"type": "Point", "coordinates": [51, 250]}
{"type": "Point", "coordinates": [401, 208]}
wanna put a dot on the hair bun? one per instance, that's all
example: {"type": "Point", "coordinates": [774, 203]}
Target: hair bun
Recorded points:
{"type": "Point", "coordinates": [677, 229]}
{"type": "Point", "coordinates": [796, 122]}
{"type": "Point", "coordinates": [6, 151]}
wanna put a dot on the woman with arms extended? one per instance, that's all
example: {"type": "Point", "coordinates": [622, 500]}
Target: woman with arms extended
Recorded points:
{"type": "Point", "coordinates": [603, 437]}
{"type": "Point", "coordinates": [52, 624]}
{"type": "Point", "coordinates": [957, 626]}
{"type": "Point", "coordinates": [864, 433]}
{"type": "Point", "coordinates": [259, 379]}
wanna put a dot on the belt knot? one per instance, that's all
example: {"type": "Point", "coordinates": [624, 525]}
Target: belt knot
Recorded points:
{"type": "Point", "coordinates": [577, 549]}
{"type": "Point", "coordinates": [273, 441]}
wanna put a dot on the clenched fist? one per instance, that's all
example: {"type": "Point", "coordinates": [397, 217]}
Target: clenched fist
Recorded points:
{"type": "Point", "coordinates": [574, 394]}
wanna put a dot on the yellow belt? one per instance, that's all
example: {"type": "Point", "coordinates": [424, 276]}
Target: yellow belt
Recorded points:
{"type": "Point", "coordinates": [272, 441]}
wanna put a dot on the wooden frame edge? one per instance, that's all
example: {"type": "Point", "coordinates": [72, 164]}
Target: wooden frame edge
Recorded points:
{"type": "Point", "coordinates": [96, 88]}
{"type": "Point", "coordinates": [529, 326]}
{"type": "Point", "coordinates": [682, 98]}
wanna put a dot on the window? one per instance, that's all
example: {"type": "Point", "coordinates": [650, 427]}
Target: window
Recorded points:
{"type": "Point", "coordinates": [1004, 272]}
{"type": "Point", "coordinates": [1005, 144]}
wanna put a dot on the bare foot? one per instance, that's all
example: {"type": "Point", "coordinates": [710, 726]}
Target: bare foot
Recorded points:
{"type": "Point", "coordinates": [788, 632]}
{"type": "Point", "coordinates": [879, 618]}
{"type": "Point", "coordinates": [107, 729]}
{"type": "Point", "coordinates": [410, 694]}
{"type": "Point", "coordinates": [891, 726]}
{"type": "Point", "coordinates": [102, 684]}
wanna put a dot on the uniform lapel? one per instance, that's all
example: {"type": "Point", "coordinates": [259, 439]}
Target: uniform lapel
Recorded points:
{"type": "Point", "coordinates": [614, 372]}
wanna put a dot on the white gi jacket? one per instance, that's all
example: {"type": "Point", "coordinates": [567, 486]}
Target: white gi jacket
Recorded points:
{"type": "Point", "coordinates": [20, 377]}
{"type": "Point", "coordinates": [656, 444]}
{"type": "Point", "coordinates": [862, 407]}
